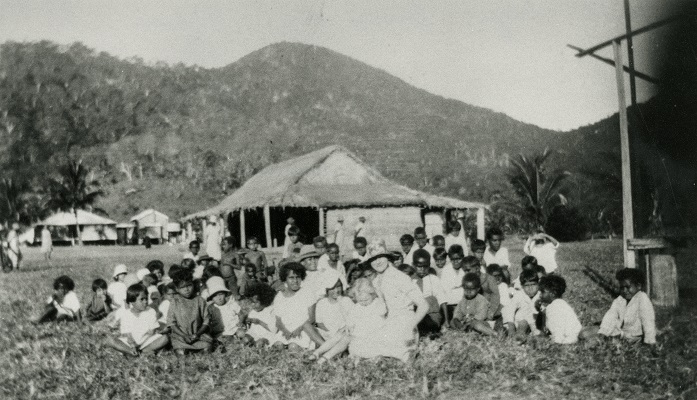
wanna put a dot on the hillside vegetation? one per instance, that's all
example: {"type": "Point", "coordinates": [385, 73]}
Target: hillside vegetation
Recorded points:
{"type": "Point", "coordinates": [179, 138]}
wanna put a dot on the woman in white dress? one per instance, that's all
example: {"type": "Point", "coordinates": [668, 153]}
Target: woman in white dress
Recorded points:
{"type": "Point", "coordinates": [212, 238]}
{"type": "Point", "coordinates": [46, 243]}
{"type": "Point", "coordinates": [398, 336]}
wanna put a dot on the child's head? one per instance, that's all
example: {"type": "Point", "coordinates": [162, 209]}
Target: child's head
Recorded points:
{"type": "Point", "coordinates": [333, 252]}
{"type": "Point", "coordinates": [250, 270]}
{"type": "Point", "coordinates": [457, 255]}
{"type": "Point", "coordinates": [149, 280]}
{"type": "Point", "coordinates": [194, 247]}
{"type": "Point", "coordinates": [631, 281]}
{"type": "Point", "coordinates": [440, 257]}
{"type": "Point", "coordinates": [228, 243]}
{"type": "Point", "coordinates": [353, 271]}
{"type": "Point", "coordinates": [454, 228]}
{"type": "Point", "coordinates": [320, 244]}
{"type": "Point", "coordinates": [494, 236]}
{"type": "Point", "coordinates": [369, 272]}
{"type": "Point", "coordinates": [540, 271]}
{"type": "Point", "coordinates": [205, 260]}
{"type": "Point", "coordinates": [62, 285]}
{"type": "Point", "coordinates": [252, 243]}
{"type": "Point", "coordinates": [292, 274]}
{"type": "Point", "coordinates": [157, 268]}
{"type": "Point", "coordinates": [530, 282]}
{"type": "Point", "coordinates": [495, 271]}
{"type": "Point", "coordinates": [209, 272]}
{"type": "Point", "coordinates": [120, 272]}
{"type": "Point", "coordinates": [364, 292]}
{"type": "Point", "coordinates": [471, 264]}
{"type": "Point", "coordinates": [406, 241]}
{"type": "Point", "coordinates": [552, 287]}
{"type": "Point", "coordinates": [290, 221]}
{"type": "Point", "coordinates": [471, 283]}
{"type": "Point", "coordinates": [528, 262]}
{"type": "Point", "coordinates": [137, 297]}
{"type": "Point", "coordinates": [260, 296]}
{"type": "Point", "coordinates": [361, 245]}
{"type": "Point", "coordinates": [335, 291]}
{"type": "Point", "coordinates": [438, 241]}
{"type": "Point", "coordinates": [217, 290]}
{"type": "Point", "coordinates": [422, 262]}
{"type": "Point", "coordinates": [293, 234]}
{"type": "Point", "coordinates": [99, 286]}
{"type": "Point", "coordinates": [173, 270]}
{"type": "Point", "coordinates": [169, 291]}
{"type": "Point", "coordinates": [183, 281]}
{"type": "Point", "coordinates": [409, 270]}
{"type": "Point", "coordinates": [420, 236]}
{"type": "Point", "coordinates": [478, 246]}
{"type": "Point", "coordinates": [189, 264]}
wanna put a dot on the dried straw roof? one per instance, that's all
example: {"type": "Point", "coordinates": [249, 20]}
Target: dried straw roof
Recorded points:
{"type": "Point", "coordinates": [282, 185]}
{"type": "Point", "coordinates": [68, 219]}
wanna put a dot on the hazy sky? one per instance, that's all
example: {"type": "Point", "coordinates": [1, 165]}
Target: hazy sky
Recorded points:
{"type": "Point", "coordinates": [507, 55]}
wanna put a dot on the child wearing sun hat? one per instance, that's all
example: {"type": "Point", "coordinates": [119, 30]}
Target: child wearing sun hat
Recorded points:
{"type": "Point", "coordinates": [224, 310]}
{"type": "Point", "coordinates": [117, 289]}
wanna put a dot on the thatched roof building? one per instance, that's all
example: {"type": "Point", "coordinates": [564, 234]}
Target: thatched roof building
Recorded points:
{"type": "Point", "coordinates": [93, 228]}
{"type": "Point", "coordinates": [333, 181]}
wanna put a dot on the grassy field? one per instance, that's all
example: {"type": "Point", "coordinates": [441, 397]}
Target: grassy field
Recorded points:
{"type": "Point", "coordinates": [66, 361]}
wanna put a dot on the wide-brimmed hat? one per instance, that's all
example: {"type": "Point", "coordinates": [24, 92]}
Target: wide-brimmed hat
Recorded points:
{"type": "Point", "coordinates": [204, 257]}
{"type": "Point", "coordinates": [308, 251]}
{"type": "Point", "coordinates": [141, 273]}
{"type": "Point", "coordinates": [377, 249]}
{"type": "Point", "coordinates": [215, 285]}
{"type": "Point", "coordinates": [119, 269]}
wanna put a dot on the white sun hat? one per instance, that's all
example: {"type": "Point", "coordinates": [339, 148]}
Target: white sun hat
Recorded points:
{"type": "Point", "coordinates": [120, 269]}
{"type": "Point", "coordinates": [215, 285]}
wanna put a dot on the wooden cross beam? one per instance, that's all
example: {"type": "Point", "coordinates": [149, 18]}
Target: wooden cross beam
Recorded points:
{"type": "Point", "coordinates": [608, 61]}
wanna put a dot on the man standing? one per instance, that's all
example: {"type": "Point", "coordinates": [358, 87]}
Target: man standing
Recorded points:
{"type": "Point", "coordinates": [14, 252]}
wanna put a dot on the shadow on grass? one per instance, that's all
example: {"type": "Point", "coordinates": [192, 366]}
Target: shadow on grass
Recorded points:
{"type": "Point", "coordinates": [607, 285]}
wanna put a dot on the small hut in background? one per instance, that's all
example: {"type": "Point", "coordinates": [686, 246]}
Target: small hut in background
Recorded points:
{"type": "Point", "coordinates": [94, 229]}
{"type": "Point", "coordinates": [318, 187]}
{"type": "Point", "coordinates": [151, 223]}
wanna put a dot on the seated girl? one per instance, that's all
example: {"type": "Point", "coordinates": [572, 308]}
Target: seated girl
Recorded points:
{"type": "Point", "coordinates": [261, 320]}
{"type": "Point", "coordinates": [331, 311]}
{"type": "Point", "coordinates": [188, 317]}
{"type": "Point", "coordinates": [138, 325]}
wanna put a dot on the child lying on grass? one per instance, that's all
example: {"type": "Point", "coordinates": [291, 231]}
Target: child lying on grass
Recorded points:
{"type": "Point", "coordinates": [138, 325]}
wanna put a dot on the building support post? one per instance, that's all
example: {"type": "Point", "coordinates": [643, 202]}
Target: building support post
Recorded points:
{"type": "Point", "coordinates": [627, 213]}
{"type": "Point", "coordinates": [321, 222]}
{"type": "Point", "coordinates": [267, 226]}
{"type": "Point", "coordinates": [480, 223]}
{"type": "Point", "coordinates": [243, 234]}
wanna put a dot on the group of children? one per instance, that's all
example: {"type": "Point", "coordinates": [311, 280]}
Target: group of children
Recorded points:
{"type": "Point", "coordinates": [315, 302]}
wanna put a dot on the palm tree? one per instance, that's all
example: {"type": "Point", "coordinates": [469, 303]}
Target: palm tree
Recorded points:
{"type": "Point", "coordinates": [539, 190]}
{"type": "Point", "coordinates": [13, 198]}
{"type": "Point", "coordinates": [72, 191]}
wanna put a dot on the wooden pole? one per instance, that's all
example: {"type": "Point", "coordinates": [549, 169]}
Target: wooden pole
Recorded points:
{"type": "Point", "coordinates": [630, 52]}
{"type": "Point", "coordinates": [243, 234]}
{"type": "Point", "coordinates": [627, 214]}
{"type": "Point", "coordinates": [189, 232]}
{"type": "Point", "coordinates": [480, 223]}
{"type": "Point", "coordinates": [321, 222]}
{"type": "Point", "coordinates": [608, 61]}
{"type": "Point", "coordinates": [267, 226]}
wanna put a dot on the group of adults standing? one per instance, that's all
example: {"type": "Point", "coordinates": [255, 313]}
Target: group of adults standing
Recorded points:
{"type": "Point", "coordinates": [10, 253]}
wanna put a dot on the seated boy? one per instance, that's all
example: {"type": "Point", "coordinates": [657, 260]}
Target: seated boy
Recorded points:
{"type": "Point", "coordinates": [433, 292]}
{"type": "Point", "coordinates": [360, 244]}
{"type": "Point", "coordinates": [407, 244]}
{"type": "Point", "coordinates": [528, 263]}
{"type": "Point", "coordinates": [254, 255]}
{"type": "Point", "coordinates": [561, 321]}
{"type": "Point", "coordinates": [520, 314]}
{"type": "Point", "coordinates": [471, 311]}
{"type": "Point", "coordinates": [440, 259]}
{"type": "Point", "coordinates": [495, 254]}
{"type": "Point", "coordinates": [63, 305]}
{"type": "Point", "coordinates": [477, 248]}
{"type": "Point", "coordinates": [489, 289]}
{"type": "Point", "coordinates": [99, 305]}
{"type": "Point", "coordinates": [292, 243]}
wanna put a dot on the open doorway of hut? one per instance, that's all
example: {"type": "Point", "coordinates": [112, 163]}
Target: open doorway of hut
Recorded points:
{"type": "Point", "coordinates": [306, 218]}
{"type": "Point", "coordinates": [253, 226]}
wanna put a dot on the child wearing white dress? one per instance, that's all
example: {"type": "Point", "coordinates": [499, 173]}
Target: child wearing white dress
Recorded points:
{"type": "Point", "coordinates": [225, 311]}
{"type": "Point", "coordinates": [562, 324]}
{"type": "Point", "coordinates": [261, 320]}
{"type": "Point", "coordinates": [138, 327]}
{"type": "Point", "coordinates": [631, 315]}
{"type": "Point", "coordinates": [117, 289]}
{"type": "Point", "coordinates": [332, 311]}
{"type": "Point", "coordinates": [519, 313]}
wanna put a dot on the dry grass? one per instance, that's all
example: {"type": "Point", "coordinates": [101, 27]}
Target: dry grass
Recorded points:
{"type": "Point", "coordinates": [66, 361]}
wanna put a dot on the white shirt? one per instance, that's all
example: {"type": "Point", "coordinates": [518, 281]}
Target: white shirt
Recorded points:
{"type": "Point", "coordinates": [293, 311]}
{"type": "Point", "coordinates": [337, 235]}
{"type": "Point", "coordinates": [333, 315]}
{"type": "Point", "coordinates": [323, 264]}
{"type": "Point", "coordinates": [317, 282]}
{"type": "Point", "coordinates": [191, 256]}
{"type": "Point", "coordinates": [137, 326]}
{"type": "Point", "coordinates": [212, 240]}
{"type": "Point", "coordinates": [630, 320]}
{"type": "Point", "coordinates": [359, 229]}
{"type": "Point", "coordinates": [432, 287]}
{"type": "Point", "coordinates": [451, 280]}
{"type": "Point", "coordinates": [504, 294]}
{"type": "Point", "coordinates": [500, 257]}
{"type": "Point", "coordinates": [397, 290]}
{"type": "Point", "coordinates": [117, 292]}
{"type": "Point", "coordinates": [409, 258]}
{"type": "Point", "coordinates": [519, 308]}
{"type": "Point", "coordinates": [229, 318]}
{"type": "Point", "coordinates": [460, 239]}
{"type": "Point", "coordinates": [366, 321]}
{"type": "Point", "coordinates": [562, 322]}
{"type": "Point", "coordinates": [358, 256]}
{"type": "Point", "coordinates": [546, 255]}
{"type": "Point", "coordinates": [70, 305]}
{"type": "Point", "coordinates": [164, 309]}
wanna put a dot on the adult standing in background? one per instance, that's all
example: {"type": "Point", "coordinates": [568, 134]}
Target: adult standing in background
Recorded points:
{"type": "Point", "coordinates": [46, 243]}
{"type": "Point", "coordinates": [337, 235]}
{"type": "Point", "coordinates": [211, 238]}
{"type": "Point", "coordinates": [13, 250]}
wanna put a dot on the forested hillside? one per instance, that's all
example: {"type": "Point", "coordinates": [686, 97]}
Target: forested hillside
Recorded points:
{"type": "Point", "coordinates": [179, 137]}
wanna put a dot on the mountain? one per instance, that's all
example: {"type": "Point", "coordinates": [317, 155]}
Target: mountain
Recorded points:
{"type": "Point", "coordinates": [179, 138]}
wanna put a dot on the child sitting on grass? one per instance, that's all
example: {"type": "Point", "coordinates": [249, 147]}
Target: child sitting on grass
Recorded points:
{"type": "Point", "coordinates": [138, 325]}
{"type": "Point", "coordinates": [261, 319]}
{"type": "Point", "coordinates": [471, 312]}
{"type": "Point", "coordinates": [631, 315]}
{"type": "Point", "coordinates": [249, 278]}
{"type": "Point", "coordinates": [528, 263]}
{"type": "Point", "coordinates": [495, 253]}
{"type": "Point", "coordinates": [520, 314]}
{"type": "Point", "coordinates": [365, 318]}
{"type": "Point", "coordinates": [63, 305]}
{"type": "Point", "coordinates": [188, 317]}
{"type": "Point", "coordinates": [561, 321]}
{"type": "Point", "coordinates": [225, 311]}
{"type": "Point", "coordinates": [495, 271]}
{"type": "Point", "coordinates": [99, 305]}
{"type": "Point", "coordinates": [117, 288]}
{"type": "Point", "coordinates": [331, 311]}
{"type": "Point", "coordinates": [478, 247]}
{"type": "Point", "coordinates": [169, 291]}
{"type": "Point", "coordinates": [440, 259]}
{"type": "Point", "coordinates": [489, 289]}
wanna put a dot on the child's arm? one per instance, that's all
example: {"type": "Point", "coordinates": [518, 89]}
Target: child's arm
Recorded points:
{"type": "Point", "coordinates": [648, 320]}
{"type": "Point", "coordinates": [279, 325]}
{"type": "Point", "coordinates": [554, 241]}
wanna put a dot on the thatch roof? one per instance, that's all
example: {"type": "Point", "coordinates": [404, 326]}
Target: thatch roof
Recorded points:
{"type": "Point", "coordinates": [150, 218]}
{"type": "Point", "coordinates": [327, 178]}
{"type": "Point", "coordinates": [83, 217]}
